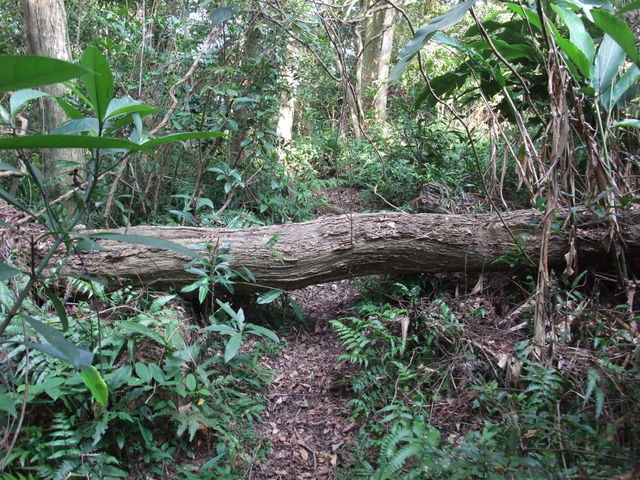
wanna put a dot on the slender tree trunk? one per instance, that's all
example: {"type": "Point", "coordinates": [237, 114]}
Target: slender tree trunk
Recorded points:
{"type": "Point", "coordinates": [287, 108]}
{"type": "Point", "coordinates": [241, 115]}
{"type": "Point", "coordinates": [376, 34]}
{"type": "Point", "coordinates": [46, 27]}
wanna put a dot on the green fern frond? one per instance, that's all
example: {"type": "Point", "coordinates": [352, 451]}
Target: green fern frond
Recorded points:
{"type": "Point", "coordinates": [397, 461]}
{"type": "Point", "coordinates": [391, 441]}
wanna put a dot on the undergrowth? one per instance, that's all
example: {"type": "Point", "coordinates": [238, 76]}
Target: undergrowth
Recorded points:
{"type": "Point", "coordinates": [181, 399]}
{"type": "Point", "coordinates": [457, 398]}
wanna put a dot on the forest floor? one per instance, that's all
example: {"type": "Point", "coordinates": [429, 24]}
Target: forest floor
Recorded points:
{"type": "Point", "coordinates": [307, 421]}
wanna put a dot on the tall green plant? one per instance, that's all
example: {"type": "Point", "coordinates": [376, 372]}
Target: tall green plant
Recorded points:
{"type": "Point", "coordinates": [100, 132]}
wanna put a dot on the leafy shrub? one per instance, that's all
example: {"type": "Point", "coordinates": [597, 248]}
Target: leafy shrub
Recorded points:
{"type": "Point", "coordinates": [538, 430]}
{"type": "Point", "coordinates": [172, 393]}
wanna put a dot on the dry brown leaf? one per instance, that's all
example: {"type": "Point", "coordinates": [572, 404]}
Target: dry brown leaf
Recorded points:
{"type": "Point", "coordinates": [348, 427]}
{"type": "Point", "coordinates": [304, 454]}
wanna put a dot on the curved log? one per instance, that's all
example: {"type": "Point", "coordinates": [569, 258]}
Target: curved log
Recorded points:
{"type": "Point", "coordinates": [295, 255]}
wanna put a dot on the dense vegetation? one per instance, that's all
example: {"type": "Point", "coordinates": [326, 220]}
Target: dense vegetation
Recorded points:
{"type": "Point", "coordinates": [254, 113]}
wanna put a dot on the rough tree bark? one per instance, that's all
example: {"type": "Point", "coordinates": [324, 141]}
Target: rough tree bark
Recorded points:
{"type": "Point", "coordinates": [377, 32]}
{"type": "Point", "coordinates": [46, 27]}
{"type": "Point", "coordinates": [296, 255]}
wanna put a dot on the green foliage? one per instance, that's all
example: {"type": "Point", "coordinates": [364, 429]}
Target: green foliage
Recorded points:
{"type": "Point", "coordinates": [538, 430]}
{"type": "Point", "coordinates": [161, 386]}
{"type": "Point", "coordinates": [140, 373]}
{"type": "Point", "coordinates": [19, 71]}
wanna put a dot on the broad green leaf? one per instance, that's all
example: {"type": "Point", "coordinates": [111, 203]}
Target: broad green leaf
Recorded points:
{"type": "Point", "coordinates": [223, 329]}
{"type": "Point", "coordinates": [424, 34]}
{"type": "Point", "coordinates": [57, 304]}
{"type": "Point", "coordinates": [630, 7]}
{"type": "Point", "coordinates": [440, 86]}
{"type": "Point", "coordinates": [77, 93]}
{"type": "Point", "coordinates": [70, 110]}
{"type": "Point", "coordinates": [86, 244]}
{"type": "Point", "coordinates": [5, 167]}
{"type": "Point", "coordinates": [61, 347]}
{"type": "Point", "coordinates": [190, 382]}
{"type": "Point", "coordinates": [297, 311]}
{"type": "Point", "coordinates": [143, 372]}
{"type": "Point", "coordinates": [67, 141]}
{"type": "Point", "coordinates": [227, 308]}
{"type": "Point", "coordinates": [7, 272]}
{"type": "Point", "coordinates": [135, 327]}
{"type": "Point", "coordinates": [179, 137]}
{"type": "Point", "coordinates": [118, 378]}
{"type": "Point", "coordinates": [139, 109]}
{"type": "Point", "coordinates": [587, 6]}
{"type": "Point", "coordinates": [265, 332]}
{"type": "Point", "coordinates": [220, 15]}
{"type": "Point", "coordinates": [51, 386]}
{"type": "Point", "coordinates": [575, 54]}
{"type": "Point", "coordinates": [233, 345]}
{"type": "Point", "coordinates": [514, 51]}
{"type": "Point", "coordinates": [96, 385]}
{"type": "Point", "coordinates": [526, 13]}
{"type": "Point", "coordinates": [268, 297]}
{"type": "Point", "coordinates": [36, 175]}
{"type": "Point", "coordinates": [126, 104]}
{"type": "Point", "coordinates": [7, 401]}
{"type": "Point", "coordinates": [617, 29]}
{"type": "Point", "coordinates": [6, 118]}
{"type": "Point", "coordinates": [245, 274]}
{"type": "Point", "coordinates": [240, 319]}
{"type": "Point", "coordinates": [156, 373]}
{"type": "Point", "coordinates": [193, 286]}
{"type": "Point", "coordinates": [608, 61]}
{"type": "Point", "coordinates": [28, 71]}
{"type": "Point", "coordinates": [628, 122]}
{"type": "Point", "coordinates": [203, 292]}
{"type": "Point", "coordinates": [21, 97]}
{"type": "Point", "coordinates": [152, 242]}
{"type": "Point", "coordinates": [99, 84]}
{"type": "Point", "coordinates": [626, 88]}
{"type": "Point", "coordinates": [577, 33]}
{"type": "Point", "coordinates": [77, 125]}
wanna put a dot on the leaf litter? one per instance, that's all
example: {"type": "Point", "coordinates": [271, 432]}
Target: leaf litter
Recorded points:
{"type": "Point", "coordinates": [307, 420]}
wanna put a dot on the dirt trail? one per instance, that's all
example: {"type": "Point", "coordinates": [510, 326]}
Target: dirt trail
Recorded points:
{"type": "Point", "coordinates": [307, 419]}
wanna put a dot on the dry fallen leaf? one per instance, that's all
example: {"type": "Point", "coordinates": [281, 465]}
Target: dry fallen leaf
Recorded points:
{"type": "Point", "coordinates": [304, 454]}
{"type": "Point", "coordinates": [348, 427]}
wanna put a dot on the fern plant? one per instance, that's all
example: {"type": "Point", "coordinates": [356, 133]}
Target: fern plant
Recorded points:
{"type": "Point", "coordinates": [545, 385]}
{"type": "Point", "coordinates": [407, 448]}
{"type": "Point", "coordinates": [594, 387]}
{"type": "Point", "coordinates": [368, 341]}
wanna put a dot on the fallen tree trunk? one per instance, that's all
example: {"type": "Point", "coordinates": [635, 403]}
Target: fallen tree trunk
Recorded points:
{"type": "Point", "coordinates": [295, 255]}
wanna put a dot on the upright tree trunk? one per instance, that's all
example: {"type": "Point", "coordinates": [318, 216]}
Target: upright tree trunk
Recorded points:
{"type": "Point", "coordinates": [287, 108]}
{"type": "Point", "coordinates": [241, 114]}
{"type": "Point", "coordinates": [46, 27]}
{"type": "Point", "coordinates": [377, 31]}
